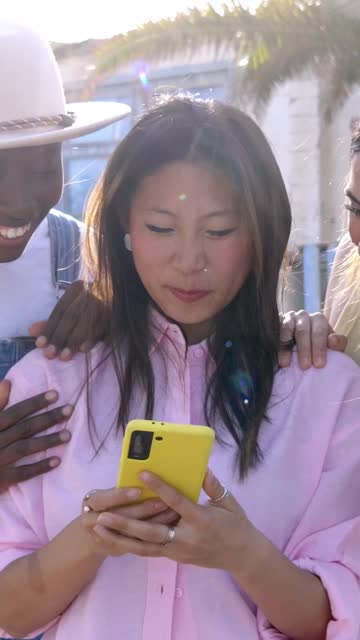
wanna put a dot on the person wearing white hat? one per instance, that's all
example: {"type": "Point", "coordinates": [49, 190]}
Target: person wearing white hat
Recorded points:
{"type": "Point", "coordinates": [39, 247]}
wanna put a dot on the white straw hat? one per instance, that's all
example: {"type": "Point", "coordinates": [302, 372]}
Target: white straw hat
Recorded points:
{"type": "Point", "coordinates": [33, 110]}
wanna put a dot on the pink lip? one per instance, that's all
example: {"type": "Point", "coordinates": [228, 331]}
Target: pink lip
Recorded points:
{"type": "Point", "coordinates": [189, 296]}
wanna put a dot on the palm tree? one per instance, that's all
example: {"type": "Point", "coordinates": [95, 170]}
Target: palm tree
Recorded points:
{"type": "Point", "coordinates": [280, 40]}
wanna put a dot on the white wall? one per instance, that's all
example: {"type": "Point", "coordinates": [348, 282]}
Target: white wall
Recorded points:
{"type": "Point", "coordinates": [313, 156]}
{"type": "Point", "coordinates": [292, 125]}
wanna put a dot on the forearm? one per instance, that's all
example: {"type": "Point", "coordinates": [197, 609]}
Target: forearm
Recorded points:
{"type": "Point", "coordinates": [294, 601]}
{"type": "Point", "coordinates": [37, 588]}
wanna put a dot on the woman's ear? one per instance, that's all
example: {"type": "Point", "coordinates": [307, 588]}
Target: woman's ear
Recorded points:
{"type": "Point", "coordinates": [127, 242]}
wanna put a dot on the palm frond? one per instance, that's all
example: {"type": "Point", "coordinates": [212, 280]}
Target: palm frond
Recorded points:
{"type": "Point", "coordinates": [293, 36]}
{"type": "Point", "coordinates": [282, 39]}
{"type": "Point", "coordinates": [344, 77]}
{"type": "Point", "coordinates": [161, 40]}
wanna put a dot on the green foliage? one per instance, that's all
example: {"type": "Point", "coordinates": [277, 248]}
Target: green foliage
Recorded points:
{"type": "Point", "coordinates": [280, 40]}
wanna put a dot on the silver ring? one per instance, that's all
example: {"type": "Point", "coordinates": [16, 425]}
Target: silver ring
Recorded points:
{"type": "Point", "coordinates": [224, 494]}
{"type": "Point", "coordinates": [171, 535]}
{"type": "Point", "coordinates": [89, 494]}
{"type": "Point", "coordinates": [87, 508]}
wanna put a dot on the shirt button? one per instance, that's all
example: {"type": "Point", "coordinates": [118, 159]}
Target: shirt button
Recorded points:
{"type": "Point", "coordinates": [198, 353]}
{"type": "Point", "coordinates": [179, 592]}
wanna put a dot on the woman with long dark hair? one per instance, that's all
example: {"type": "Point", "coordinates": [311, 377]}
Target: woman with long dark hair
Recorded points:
{"type": "Point", "coordinates": [191, 223]}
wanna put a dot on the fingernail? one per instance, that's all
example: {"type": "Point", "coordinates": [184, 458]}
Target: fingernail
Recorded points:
{"type": "Point", "coordinates": [51, 396]}
{"type": "Point", "coordinates": [145, 476]}
{"type": "Point", "coordinates": [159, 505]}
{"type": "Point", "coordinates": [54, 462]}
{"type": "Point", "coordinates": [66, 353]}
{"type": "Point", "coordinates": [319, 362]}
{"type": "Point", "coordinates": [51, 350]}
{"type": "Point", "coordinates": [67, 410]}
{"type": "Point", "coordinates": [41, 342]}
{"type": "Point", "coordinates": [306, 362]}
{"type": "Point", "coordinates": [133, 493]}
{"type": "Point", "coordinates": [99, 530]}
{"type": "Point", "coordinates": [105, 519]}
{"type": "Point", "coordinates": [65, 436]}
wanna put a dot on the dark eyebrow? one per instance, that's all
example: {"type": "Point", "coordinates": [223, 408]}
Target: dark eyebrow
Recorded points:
{"type": "Point", "coordinates": [211, 214]}
{"type": "Point", "coordinates": [352, 197]}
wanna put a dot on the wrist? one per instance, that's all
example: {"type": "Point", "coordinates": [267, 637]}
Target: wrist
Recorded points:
{"type": "Point", "coordinates": [89, 548]}
{"type": "Point", "coordinates": [254, 556]}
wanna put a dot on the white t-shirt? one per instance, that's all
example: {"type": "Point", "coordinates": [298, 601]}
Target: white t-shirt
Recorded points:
{"type": "Point", "coordinates": [27, 293]}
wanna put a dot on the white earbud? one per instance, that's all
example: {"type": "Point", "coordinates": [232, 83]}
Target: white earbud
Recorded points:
{"type": "Point", "coordinates": [127, 241]}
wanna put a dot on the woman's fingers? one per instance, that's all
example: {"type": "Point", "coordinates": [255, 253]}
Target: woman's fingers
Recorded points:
{"type": "Point", "coordinates": [287, 336]}
{"type": "Point", "coordinates": [287, 327]}
{"type": "Point", "coordinates": [154, 511]}
{"type": "Point", "coordinates": [173, 498]}
{"type": "Point", "coordinates": [116, 545]}
{"type": "Point", "coordinates": [303, 338]}
{"type": "Point", "coordinates": [168, 517]}
{"type": "Point", "coordinates": [217, 493]}
{"type": "Point", "coordinates": [320, 329]}
{"type": "Point", "coordinates": [312, 334]}
{"type": "Point", "coordinates": [139, 529]}
{"type": "Point", "coordinates": [337, 342]}
{"type": "Point", "coordinates": [105, 499]}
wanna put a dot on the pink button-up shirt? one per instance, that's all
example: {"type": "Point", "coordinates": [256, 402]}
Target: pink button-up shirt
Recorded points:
{"type": "Point", "coordinates": [304, 496]}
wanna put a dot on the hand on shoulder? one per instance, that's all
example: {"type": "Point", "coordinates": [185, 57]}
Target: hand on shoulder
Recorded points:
{"type": "Point", "coordinates": [312, 335]}
{"type": "Point", "coordinates": [78, 322]}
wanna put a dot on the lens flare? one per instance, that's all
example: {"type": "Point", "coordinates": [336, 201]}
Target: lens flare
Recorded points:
{"type": "Point", "coordinates": [144, 80]}
{"type": "Point", "coordinates": [243, 385]}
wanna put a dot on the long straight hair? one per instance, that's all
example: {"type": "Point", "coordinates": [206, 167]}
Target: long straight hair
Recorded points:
{"type": "Point", "coordinates": [246, 338]}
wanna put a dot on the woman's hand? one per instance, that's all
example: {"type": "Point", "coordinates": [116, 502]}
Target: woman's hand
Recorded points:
{"type": "Point", "coordinates": [219, 535]}
{"type": "Point", "coordinates": [78, 321]}
{"type": "Point", "coordinates": [120, 502]}
{"type": "Point", "coordinates": [210, 535]}
{"type": "Point", "coordinates": [312, 335]}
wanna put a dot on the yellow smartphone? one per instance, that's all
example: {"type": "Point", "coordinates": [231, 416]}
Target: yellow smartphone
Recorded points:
{"type": "Point", "coordinates": [178, 453]}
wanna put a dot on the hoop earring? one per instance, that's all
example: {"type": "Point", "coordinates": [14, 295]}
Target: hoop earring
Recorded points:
{"type": "Point", "coordinates": [127, 242]}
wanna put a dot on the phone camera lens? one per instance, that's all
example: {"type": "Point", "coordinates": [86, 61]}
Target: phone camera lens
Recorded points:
{"type": "Point", "coordinates": [140, 445]}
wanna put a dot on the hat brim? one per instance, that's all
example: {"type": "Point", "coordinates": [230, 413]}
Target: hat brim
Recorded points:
{"type": "Point", "coordinates": [89, 116]}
